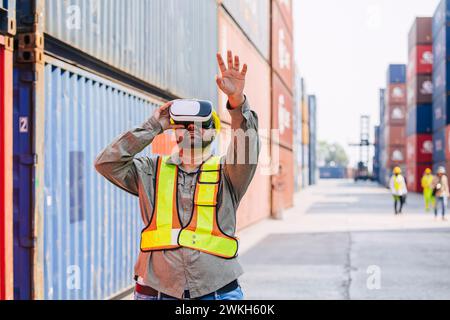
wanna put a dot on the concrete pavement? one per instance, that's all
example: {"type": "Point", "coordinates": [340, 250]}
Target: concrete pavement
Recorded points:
{"type": "Point", "coordinates": [342, 241]}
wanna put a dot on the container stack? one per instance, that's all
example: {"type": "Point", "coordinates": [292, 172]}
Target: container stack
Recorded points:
{"type": "Point", "coordinates": [441, 84]}
{"type": "Point", "coordinates": [282, 75]}
{"type": "Point", "coordinates": [297, 130]}
{"type": "Point", "coordinates": [313, 172]}
{"type": "Point", "coordinates": [383, 172]}
{"type": "Point", "coordinates": [7, 31]}
{"type": "Point", "coordinates": [395, 119]}
{"type": "Point", "coordinates": [305, 137]}
{"type": "Point", "coordinates": [419, 146]}
{"type": "Point", "coordinates": [376, 157]}
{"type": "Point", "coordinates": [244, 28]}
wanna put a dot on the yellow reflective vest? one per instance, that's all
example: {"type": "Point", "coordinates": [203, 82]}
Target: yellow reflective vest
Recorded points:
{"type": "Point", "coordinates": [427, 181]}
{"type": "Point", "coordinates": [203, 232]}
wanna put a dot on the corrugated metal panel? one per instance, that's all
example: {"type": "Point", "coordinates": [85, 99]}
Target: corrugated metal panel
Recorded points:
{"type": "Point", "coordinates": [258, 76]}
{"type": "Point", "coordinates": [91, 228]}
{"type": "Point", "coordinates": [255, 205]}
{"type": "Point", "coordinates": [253, 16]}
{"type": "Point", "coordinates": [286, 10]}
{"type": "Point", "coordinates": [6, 165]}
{"type": "Point", "coordinates": [282, 112]}
{"type": "Point", "coordinates": [163, 42]}
{"type": "Point", "coordinates": [282, 49]}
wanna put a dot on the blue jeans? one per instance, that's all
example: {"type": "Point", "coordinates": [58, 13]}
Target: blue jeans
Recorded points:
{"type": "Point", "coordinates": [441, 201]}
{"type": "Point", "coordinates": [236, 294]}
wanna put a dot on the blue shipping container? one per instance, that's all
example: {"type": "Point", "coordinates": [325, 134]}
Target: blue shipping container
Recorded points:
{"type": "Point", "coordinates": [440, 111]}
{"type": "Point", "coordinates": [439, 145]}
{"type": "Point", "coordinates": [441, 40]}
{"type": "Point", "coordinates": [396, 73]}
{"type": "Point", "coordinates": [441, 78]}
{"type": "Point", "coordinates": [332, 172]}
{"type": "Point", "coordinates": [420, 120]}
{"type": "Point", "coordinates": [382, 105]}
{"type": "Point", "coordinates": [441, 16]}
{"type": "Point", "coordinates": [91, 227]}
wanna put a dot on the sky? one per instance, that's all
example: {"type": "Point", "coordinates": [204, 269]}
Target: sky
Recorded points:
{"type": "Point", "coordinates": [342, 49]}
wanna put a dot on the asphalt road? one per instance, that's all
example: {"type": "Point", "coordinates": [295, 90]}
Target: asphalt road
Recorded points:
{"type": "Point", "coordinates": [342, 241]}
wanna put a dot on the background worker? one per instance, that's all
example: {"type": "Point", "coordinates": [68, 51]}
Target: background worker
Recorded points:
{"type": "Point", "coordinates": [398, 189]}
{"type": "Point", "coordinates": [441, 192]}
{"type": "Point", "coordinates": [427, 186]}
{"type": "Point", "coordinates": [189, 200]}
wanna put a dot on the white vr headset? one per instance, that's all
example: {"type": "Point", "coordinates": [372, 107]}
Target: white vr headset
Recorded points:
{"type": "Point", "coordinates": [186, 112]}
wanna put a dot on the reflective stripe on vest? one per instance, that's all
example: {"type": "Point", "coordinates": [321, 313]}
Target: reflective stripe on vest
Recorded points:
{"type": "Point", "coordinates": [203, 232]}
{"type": "Point", "coordinates": [163, 230]}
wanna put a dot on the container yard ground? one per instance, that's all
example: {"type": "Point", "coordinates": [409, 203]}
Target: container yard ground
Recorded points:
{"type": "Point", "coordinates": [336, 233]}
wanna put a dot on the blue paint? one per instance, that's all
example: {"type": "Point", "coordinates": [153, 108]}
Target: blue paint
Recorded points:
{"type": "Point", "coordinates": [420, 120]}
{"type": "Point", "coordinates": [441, 16]}
{"type": "Point", "coordinates": [439, 145]}
{"type": "Point", "coordinates": [23, 168]}
{"type": "Point", "coordinates": [440, 111]}
{"type": "Point", "coordinates": [91, 228]}
{"type": "Point", "coordinates": [396, 73]}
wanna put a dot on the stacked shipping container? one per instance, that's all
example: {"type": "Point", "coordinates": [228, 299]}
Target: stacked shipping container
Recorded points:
{"type": "Point", "coordinates": [305, 136]}
{"type": "Point", "coordinates": [441, 82]}
{"type": "Point", "coordinates": [69, 220]}
{"type": "Point", "coordinates": [394, 125]}
{"type": "Point", "coordinates": [312, 103]}
{"type": "Point", "coordinates": [419, 146]}
{"type": "Point", "coordinates": [282, 75]}
{"type": "Point", "coordinates": [297, 131]}
{"type": "Point", "coordinates": [7, 30]}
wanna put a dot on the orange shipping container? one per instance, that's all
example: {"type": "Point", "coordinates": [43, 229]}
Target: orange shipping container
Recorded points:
{"type": "Point", "coordinates": [258, 76]}
{"type": "Point", "coordinates": [282, 49]}
{"type": "Point", "coordinates": [6, 168]}
{"type": "Point", "coordinates": [283, 182]}
{"type": "Point", "coordinates": [255, 205]}
{"type": "Point", "coordinates": [282, 112]}
{"type": "Point", "coordinates": [286, 11]}
{"type": "Point", "coordinates": [305, 134]}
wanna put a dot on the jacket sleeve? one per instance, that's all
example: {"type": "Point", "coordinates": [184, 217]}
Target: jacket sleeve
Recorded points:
{"type": "Point", "coordinates": [117, 162]}
{"type": "Point", "coordinates": [242, 155]}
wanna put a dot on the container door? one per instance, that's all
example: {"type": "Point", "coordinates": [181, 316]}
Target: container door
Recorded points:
{"type": "Point", "coordinates": [23, 183]}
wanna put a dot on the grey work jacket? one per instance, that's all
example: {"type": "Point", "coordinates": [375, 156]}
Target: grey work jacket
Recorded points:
{"type": "Point", "coordinates": [176, 270]}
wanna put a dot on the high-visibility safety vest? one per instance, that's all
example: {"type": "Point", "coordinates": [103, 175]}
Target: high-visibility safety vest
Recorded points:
{"type": "Point", "coordinates": [203, 232]}
{"type": "Point", "coordinates": [398, 183]}
{"type": "Point", "coordinates": [427, 180]}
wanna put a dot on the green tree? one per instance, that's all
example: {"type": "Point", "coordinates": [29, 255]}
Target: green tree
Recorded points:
{"type": "Point", "coordinates": [332, 154]}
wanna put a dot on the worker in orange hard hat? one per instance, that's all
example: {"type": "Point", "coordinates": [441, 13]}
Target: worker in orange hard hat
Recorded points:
{"type": "Point", "coordinates": [398, 188]}
{"type": "Point", "coordinates": [427, 186]}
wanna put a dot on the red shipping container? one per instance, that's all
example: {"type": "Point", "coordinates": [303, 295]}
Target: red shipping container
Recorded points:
{"type": "Point", "coordinates": [258, 77]}
{"type": "Point", "coordinates": [282, 112]}
{"type": "Point", "coordinates": [396, 94]}
{"type": "Point", "coordinates": [414, 174]}
{"type": "Point", "coordinates": [419, 149]}
{"type": "Point", "coordinates": [395, 114]}
{"type": "Point", "coordinates": [286, 11]}
{"type": "Point", "coordinates": [282, 49]}
{"type": "Point", "coordinates": [420, 61]}
{"type": "Point", "coordinates": [420, 90]}
{"type": "Point", "coordinates": [421, 32]}
{"type": "Point", "coordinates": [6, 168]}
{"type": "Point", "coordinates": [283, 182]}
{"type": "Point", "coordinates": [395, 156]}
{"type": "Point", "coordinates": [395, 135]}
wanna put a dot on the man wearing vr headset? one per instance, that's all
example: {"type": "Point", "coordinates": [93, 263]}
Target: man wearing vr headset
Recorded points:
{"type": "Point", "coordinates": [189, 200]}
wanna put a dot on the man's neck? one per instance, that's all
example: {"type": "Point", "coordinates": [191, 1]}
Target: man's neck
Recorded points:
{"type": "Point", "coordinates": [192, 159]}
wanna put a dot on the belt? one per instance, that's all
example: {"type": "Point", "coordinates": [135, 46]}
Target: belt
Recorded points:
{"type": "Point", "coordinates": [149, 291]}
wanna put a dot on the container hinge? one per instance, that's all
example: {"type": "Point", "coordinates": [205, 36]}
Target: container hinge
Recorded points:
{"type": "Point", "coordinates": [7, 25]}
{"type": "Point", "coordinates": [30, 48]}
{"type": "Point", "coordinates": [29, 159]}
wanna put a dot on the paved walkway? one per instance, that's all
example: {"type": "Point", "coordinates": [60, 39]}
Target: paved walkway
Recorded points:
{"type": "Point", "coordinates": [342, 241]}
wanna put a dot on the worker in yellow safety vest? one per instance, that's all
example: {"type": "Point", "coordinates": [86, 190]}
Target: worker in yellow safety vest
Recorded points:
{"type": "Point", "coordinates": [398, 188]}
{"type": "Point", "coordinates": [189, 199]}
{"type": "Point", "coordinates": [427, 186]}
